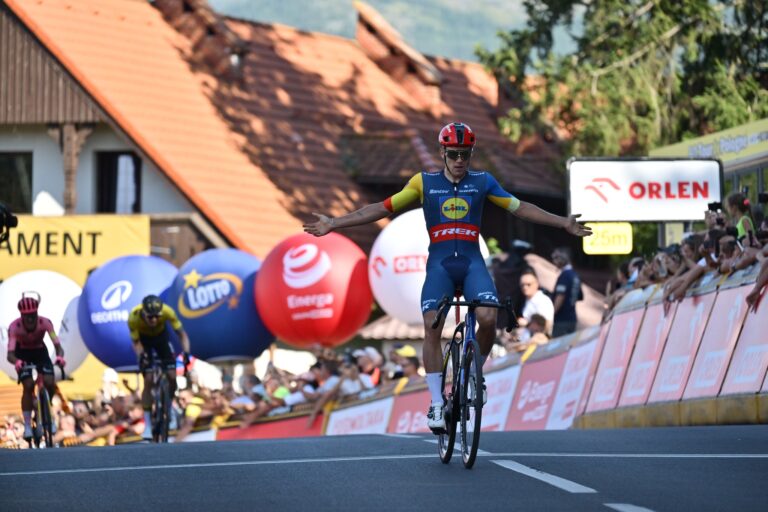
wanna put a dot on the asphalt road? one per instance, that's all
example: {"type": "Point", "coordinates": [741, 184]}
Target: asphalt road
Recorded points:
{"type": "Point", "coordinates": [630, 470]}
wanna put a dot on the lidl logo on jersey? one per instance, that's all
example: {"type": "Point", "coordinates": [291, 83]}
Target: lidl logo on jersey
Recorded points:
{"type": "Point", "coordinates": [454, 208]}
{"type": "Point", "coordinates": [203, 294]}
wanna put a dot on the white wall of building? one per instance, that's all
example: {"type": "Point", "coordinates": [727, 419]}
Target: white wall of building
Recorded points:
{"type": "Point", "coordinates": [158, 193]}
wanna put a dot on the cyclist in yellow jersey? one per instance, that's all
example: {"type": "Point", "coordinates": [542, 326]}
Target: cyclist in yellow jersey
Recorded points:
{"type": "Point", "coordinates": [147, 323]}
{"type": "Point", "coordinates": [452, 200]}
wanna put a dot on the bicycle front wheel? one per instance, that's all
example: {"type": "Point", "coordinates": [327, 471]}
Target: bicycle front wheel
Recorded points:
{"type": "Point", "coordinates": [162, 411]}
{"type": "Point", "coordinates": [44, 416]}
{"type": "Point", "coordinates": [446, 440]}
{"type": "Point", "coordinates": [471, 403]}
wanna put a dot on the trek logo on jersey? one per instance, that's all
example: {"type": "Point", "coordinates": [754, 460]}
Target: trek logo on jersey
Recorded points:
{"type": "Point", "coordinates": [203, 294]}
{"type": "Point", "coordinates": [450, 231]}
{"type": "Point", "coordinates": [454, 208]}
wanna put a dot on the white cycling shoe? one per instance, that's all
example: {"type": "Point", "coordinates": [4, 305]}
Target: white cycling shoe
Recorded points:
{"type": "Point", "coordinates": [435, 418]}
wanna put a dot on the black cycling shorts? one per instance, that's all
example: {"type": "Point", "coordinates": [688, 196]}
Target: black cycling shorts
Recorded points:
{"type": "Point", "coordinates": [36, 356]}
{"type": "Point", "coordinates": [159, 346]}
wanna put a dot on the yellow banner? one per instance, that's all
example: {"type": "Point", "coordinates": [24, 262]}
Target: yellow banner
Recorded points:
{"type": "Point", "coordinates": [608, 238]}
{"type": "Point", "coordinates": [73, 245]}
{"type": "Point", "coordinates": [745, 143]}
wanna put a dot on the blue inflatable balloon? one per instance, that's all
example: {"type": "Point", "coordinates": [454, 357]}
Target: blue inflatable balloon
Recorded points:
{"type": "Point", "coordinates": [109, 294]}
{"type": "Point", "coordinates": [213, 296]}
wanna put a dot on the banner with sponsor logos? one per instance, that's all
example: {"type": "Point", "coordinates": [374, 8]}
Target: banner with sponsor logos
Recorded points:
{"type": "Point", "coordinates": [369, 418]}
{"type": "Point", "coordinates": [288, 427]}
{"type": "Point", "coordinates": [717, 345]}
{"type": "Point", "coordinates": [409, 413]}
{"type": "Point", "coordinates": [750, 359]}
{"type": "Point", "coordinates": [73, 245]}
{"type": "Point", "coordinates": [684, 338]}
{"type": "Point", "coordinates": [499, 386]}
{"type": "Point", "coordinates": [613, 363]}
{"type": "Point", "coordinates": [643, 189]}
{"type": "Point", "coordinates": [535, 393]}
{"type": "Point", "coordinates": [645, 358]}
{"type": "Point", "coordinates": [571, 386]}
{"type": "Point", "coordinates": [605, 329]}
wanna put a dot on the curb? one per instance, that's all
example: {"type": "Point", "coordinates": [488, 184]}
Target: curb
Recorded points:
{"type": "Point", "coordinates": [722, 410]}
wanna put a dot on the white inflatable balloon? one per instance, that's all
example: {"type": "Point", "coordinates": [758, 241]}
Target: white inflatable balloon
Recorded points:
{"type": "Point", "coordinates": [398, 264]}
{"type": "Point", "coordinates": [56, 292]}
{"type": "Point", "coordinates": [72, 342]}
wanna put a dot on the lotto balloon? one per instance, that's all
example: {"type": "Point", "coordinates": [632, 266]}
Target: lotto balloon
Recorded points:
{"type": "Point", "coordinates": [213, 296]}
{"type": "Point", "coordinates": [314, 290]}
{"type": "Point", "coordinates": [56, 291]}
{"type": "Point", "coordinates": [398, 264]}
{"type": "Point", "coordinates": [110, 293]}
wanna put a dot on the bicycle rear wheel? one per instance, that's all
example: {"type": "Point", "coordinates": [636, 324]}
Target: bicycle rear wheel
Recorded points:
{"type": "Point", "coordinates": [446, 440]}
{"type": "Point", "coordinates": [471, 401]}
{"type": "Point", "coordinates": [44, 416]}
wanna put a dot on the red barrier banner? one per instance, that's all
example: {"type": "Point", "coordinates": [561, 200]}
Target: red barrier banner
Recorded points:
{"type": "Point", "coordinates": [604, 331]}
{"type": "Point", "coordinates": [292, 427]}
{"type": "Point", "coordinates": [680, 350]}
{"type": "Point", "coordinates": [535, 393]}
{"type": "Point", "coordinates": [750, 359]}
{"type": "Point", "coordinates": [500, 386]}
{"type": "Point", "coordinates": [613, 363]}
{"type": "Point", "coordinates": [645, 359]}
{"type": "Point", "coordinates": [409, 413]}
{"type": "Point", "coordinates": [571, 386]}
{"type": "Point", "coordinates": [368, 418]}
{"type": "Point", "coordinates": [717, 344]}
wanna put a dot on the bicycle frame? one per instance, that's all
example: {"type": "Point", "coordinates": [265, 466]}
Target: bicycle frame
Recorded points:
{"type": "Point", "coordinates": [41, 410]}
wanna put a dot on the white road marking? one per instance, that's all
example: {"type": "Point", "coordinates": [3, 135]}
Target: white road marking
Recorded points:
{"type": "Point", "coordinates": [479, 451]}
{"type": "Point", "coordinates": [401, 436]}
{"type": "Point", "coordinates": [641, 455]}
{"type": "Point", "coordinates": [560, 483]}
{"type": "Point", "coordinates": [626, 507]}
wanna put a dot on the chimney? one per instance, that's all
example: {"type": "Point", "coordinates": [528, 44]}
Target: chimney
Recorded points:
{"type": "Point", "coordinates": [409, 68]}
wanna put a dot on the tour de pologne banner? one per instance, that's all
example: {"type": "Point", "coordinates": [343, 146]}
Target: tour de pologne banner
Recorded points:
{"type": "Point", "coordinates": [72, 245]}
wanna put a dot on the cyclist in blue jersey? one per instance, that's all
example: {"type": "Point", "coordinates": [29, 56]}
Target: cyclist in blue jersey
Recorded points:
{"type": "Point", "coordinates": [452, 201]}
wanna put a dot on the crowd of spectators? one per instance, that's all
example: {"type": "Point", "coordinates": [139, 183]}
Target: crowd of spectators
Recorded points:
{"type": "Point", "coordinates": [732, 239]}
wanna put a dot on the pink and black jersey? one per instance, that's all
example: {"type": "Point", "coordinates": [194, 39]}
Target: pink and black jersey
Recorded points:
{"type": "Point", "coordinates": [19, 337]}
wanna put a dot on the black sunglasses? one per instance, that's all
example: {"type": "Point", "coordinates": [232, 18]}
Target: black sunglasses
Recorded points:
{"type": "Point", "coordinates": [152, 317]}
{"type": "Point", "coordinates": [454, 154]}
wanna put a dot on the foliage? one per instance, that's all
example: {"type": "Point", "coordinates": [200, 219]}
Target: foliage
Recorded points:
{"type": "Point", "coordinates": [643, 73]}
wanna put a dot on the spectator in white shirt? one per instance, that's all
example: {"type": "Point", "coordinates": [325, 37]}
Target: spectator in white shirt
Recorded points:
{"type": "Point", "coordinates": [536, 301]}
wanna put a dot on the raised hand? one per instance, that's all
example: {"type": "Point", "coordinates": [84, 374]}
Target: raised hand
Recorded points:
{"type": "Point", "coordinates": [575, 227]}
{"type": "Point", "coordinates": [322, 226]}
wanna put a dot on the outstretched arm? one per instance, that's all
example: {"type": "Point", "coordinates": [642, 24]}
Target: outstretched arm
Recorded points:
{"type": "Point", "coordinates": [366, 214]}
{"type": "Point", "coordinates": [535, 214]}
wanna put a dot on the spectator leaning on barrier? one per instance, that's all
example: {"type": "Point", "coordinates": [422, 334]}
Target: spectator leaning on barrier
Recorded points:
{"type": "Point", "coordinates": [755, 295]}
{"type": "Point", "coordinates": [536, 301]}
{"type": "Point", "coordinates": [567, 293]}
{"type": "Point", "coordinates": [369, 361]}
{"type": "Point", "coordinates": [352, 382]}
{"type": "Point", "coordinates": [738, 208]}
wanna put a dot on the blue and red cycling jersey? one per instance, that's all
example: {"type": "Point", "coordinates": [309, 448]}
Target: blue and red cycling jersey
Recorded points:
{"type": "Point", "coordinates": [453, 213]}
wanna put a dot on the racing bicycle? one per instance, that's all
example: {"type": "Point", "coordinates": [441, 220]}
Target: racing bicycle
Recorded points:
{"type": "Point", "coordinates": [462, 379]}
{"type": "Point", "coordinates": [161, 399]}
{"type": "Point", "coordinates": [42, 420]}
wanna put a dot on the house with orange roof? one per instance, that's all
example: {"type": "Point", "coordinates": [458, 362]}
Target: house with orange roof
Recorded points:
{"type": "Point", "coordinates": [231, 130]}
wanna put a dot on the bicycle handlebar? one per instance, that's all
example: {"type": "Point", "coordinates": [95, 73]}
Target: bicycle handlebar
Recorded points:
{"type": "Point", "coordinates": [447, 303]}
{"type": "Point", "coordinates": [34, 367]}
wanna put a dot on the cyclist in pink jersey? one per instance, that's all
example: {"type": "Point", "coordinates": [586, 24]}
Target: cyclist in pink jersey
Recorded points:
{"type": "Point", "coordinates": [26, 348]}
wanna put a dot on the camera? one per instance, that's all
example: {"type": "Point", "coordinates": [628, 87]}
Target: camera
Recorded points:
{"type": "Point", "coordinates": [715, 207]}
{"type": "Point", "coordinates": [762, 197]}
{"type": "Point", "coordinates": [7, 221]}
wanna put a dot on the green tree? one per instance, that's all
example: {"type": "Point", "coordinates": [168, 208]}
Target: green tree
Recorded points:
{"type": "Point", "coordinates": [643, 73]}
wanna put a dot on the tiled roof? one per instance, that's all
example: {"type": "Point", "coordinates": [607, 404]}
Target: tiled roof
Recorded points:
{"type": "Point", "coordinates": [130, 61]}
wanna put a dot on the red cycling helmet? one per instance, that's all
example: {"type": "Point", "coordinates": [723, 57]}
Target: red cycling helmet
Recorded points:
{"type": "Point", "coordinates": [457, 134]}
{"type": "Point", "coordinates": [28, 305]}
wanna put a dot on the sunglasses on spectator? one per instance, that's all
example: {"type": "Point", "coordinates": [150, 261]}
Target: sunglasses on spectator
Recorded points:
{"type": "Point", "coordinates": [454, 154]}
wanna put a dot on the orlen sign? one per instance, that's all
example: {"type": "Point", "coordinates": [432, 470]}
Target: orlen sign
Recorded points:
{"type": "Point", "coordinates": [643, 190]}
{"type": "Point", "coordinates": [314, 290]}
